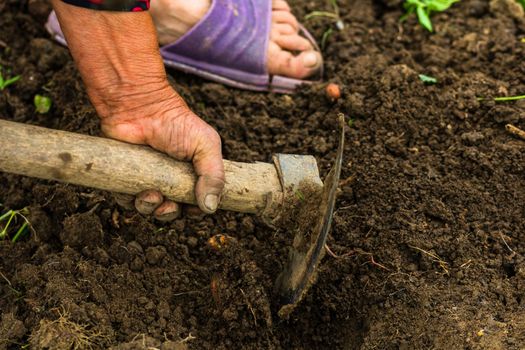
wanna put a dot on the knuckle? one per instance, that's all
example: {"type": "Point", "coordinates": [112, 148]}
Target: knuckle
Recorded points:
{"type": "Point", "coordinates": [211, 137]}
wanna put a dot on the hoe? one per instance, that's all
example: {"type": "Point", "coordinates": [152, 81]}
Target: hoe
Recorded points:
{"type": "Point", "coordinates": [289, 190]}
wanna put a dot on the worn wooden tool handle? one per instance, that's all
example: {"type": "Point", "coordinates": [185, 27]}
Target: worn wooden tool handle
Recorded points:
{"type": "Point", "coordinates": [124, 168]}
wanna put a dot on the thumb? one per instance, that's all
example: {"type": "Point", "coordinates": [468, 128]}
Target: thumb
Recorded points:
{"type": "Point", "coordinates": [209, 167]}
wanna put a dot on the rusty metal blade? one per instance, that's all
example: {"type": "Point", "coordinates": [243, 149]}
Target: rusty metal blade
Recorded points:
{"type": "Point", "coordinates": [300, 272]}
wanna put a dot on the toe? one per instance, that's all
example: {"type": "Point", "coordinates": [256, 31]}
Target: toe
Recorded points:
{"type": "Point", "coordinates": [285, 40]}
{"type": "Point", "coordinates": [292, 42]}
{"type": "Point", "coordinates": [280, 5]}
{"type": "Point", "coordinates": [284, 29]}
{"type": "Point", "coordinates": [147, 201]}
{"type": "Point", "coordinates": [281, 62]}
{"type": "Point", "coordinates": [285, 17]}
{"type": "Point", "coordinates": [167, 211]}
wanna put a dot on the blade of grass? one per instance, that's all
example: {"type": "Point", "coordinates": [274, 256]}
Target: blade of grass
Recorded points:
{"type": "Point", "coordinates": [4, 231]}
{"type": "Point", "coordinates": [326, 35]}
{"type": "Point", "coordinates": [11, 80]}
{"type": "Point", "coordinates": [20, 231]}
{"type": "Point", "coordinates": [509, 98]}
{"type": "Point", "coordinates": [321, 14]}
{"type": "Point", "coordinates": [504, 98]}
{"type": "Point", "coordinates": [3, 217]}
{"type": "Point", "coordinates": [336, 7]}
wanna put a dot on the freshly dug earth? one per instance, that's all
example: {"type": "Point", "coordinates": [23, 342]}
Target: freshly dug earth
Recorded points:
{"type": "Point", "coordinates": [428, 234]}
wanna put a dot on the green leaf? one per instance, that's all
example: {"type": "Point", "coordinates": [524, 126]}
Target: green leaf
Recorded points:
{"type": "Point", "coordinates": [424, 8]}
{"type": "Point", "coordinates": [428, 79]}
{"type": "Point", "coordinates": [440, 5]}
{"type": "Point", "coordinates": [424, 18]}
{"type": "Point", "coordinates": [6, 83]}
{"type": "Point", "coordinates": [42, 104]}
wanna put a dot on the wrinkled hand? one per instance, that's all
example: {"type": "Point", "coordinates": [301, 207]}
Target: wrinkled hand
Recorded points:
{"type": "Point", "coordinates": [117, 54]}
{"type": "Point", "coordinates": [163, 121]}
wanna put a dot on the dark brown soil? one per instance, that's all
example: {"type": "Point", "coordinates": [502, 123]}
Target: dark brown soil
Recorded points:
{"type": "Point", "coordinates": [429, 230]}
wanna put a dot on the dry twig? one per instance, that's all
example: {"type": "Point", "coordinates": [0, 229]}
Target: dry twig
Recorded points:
{"type": "Point", "coordinates": [515, 131]}
{"type": "Point", "coordinates": [504, 241]}
{"type": "Point", "coordinates": [434, 257]}
{"type": "Point", "coordinates": [5, 278]}
{"type": "Point", "coordinates": [466, 264]}
{"type": "Point", "coordinates": [249, 307]}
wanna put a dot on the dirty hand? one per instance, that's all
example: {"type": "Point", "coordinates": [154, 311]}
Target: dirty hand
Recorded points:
{"type": "Point", "coordinates": [118, 57]}
{"type": "Point", "coordinates": [168, 125]}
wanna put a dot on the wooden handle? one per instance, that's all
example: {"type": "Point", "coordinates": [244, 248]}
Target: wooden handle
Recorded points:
{"type": "Point", "coordinates": [124, 168]}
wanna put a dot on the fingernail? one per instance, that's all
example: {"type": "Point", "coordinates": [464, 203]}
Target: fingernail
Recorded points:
{"type": "Point", "coordinates": [148, 199]}
{"type": "Point", "coordinates": [310, 59]}
{"type": "Point", "coordinates": [166, 211]}
{"type": "Point", "coordinates": [211, 202]}
{"type": "Point", "coordinates": [148, 203]}
{"type": "Point", "coordinates": [165, 217]}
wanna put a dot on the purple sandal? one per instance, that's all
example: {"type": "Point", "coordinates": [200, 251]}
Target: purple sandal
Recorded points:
{"type": "Point", "coordinates": [229, 46]}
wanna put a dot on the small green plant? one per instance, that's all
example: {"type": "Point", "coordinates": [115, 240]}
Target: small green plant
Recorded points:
{"type": "Point", "coordinates": [5, 82]}
{"type": "Point", "coordinates": [326, 35]}
{"type": "Point", "coordinates": [42, 104]}
{"type": "Point", "coordinates": [8, 222]}
{"type": "Point", "coordinates": [424, 8]}
{"type": "Point", "coordinates": [334, 16]}
{"type": "Point", "coordinates": [521, 2]}
{"type": "Point", "coordinates": [427, 79]}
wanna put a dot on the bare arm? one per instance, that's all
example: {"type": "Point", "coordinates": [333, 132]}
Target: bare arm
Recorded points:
{"type": "Point", "coordinates": [118, 57]}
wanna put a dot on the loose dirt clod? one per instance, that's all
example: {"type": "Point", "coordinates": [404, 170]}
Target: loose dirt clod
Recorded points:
{"type": "Point", "coordinates": [12, 330]}
{"type": "Point", "coordinates": [82, 230]}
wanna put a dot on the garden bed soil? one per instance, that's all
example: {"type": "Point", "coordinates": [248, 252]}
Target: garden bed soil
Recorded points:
{"type": "Point", "coordinates": [428, 236]}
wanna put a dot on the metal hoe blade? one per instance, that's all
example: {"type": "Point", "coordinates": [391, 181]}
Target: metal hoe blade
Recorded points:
{"type": "Point", "coordinates": [300, 272]}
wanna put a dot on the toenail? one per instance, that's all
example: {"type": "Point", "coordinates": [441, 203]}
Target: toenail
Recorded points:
{"type": "Point", "coordinates": [310, 59]}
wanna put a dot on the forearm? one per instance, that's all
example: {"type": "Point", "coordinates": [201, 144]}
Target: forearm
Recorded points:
{"type": "Point", "coordinates": [112, 5]}
{"type": "Point", "coordinates": [118, 58]}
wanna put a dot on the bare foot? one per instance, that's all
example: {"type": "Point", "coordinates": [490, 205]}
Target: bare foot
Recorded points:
{"type": "Point", "coordinates": [173, 18]}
